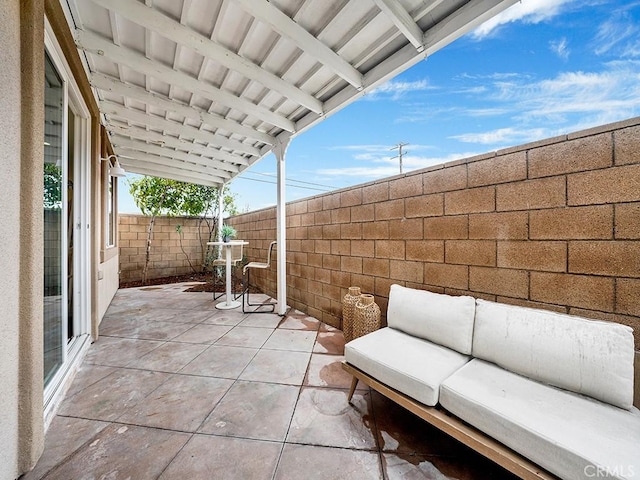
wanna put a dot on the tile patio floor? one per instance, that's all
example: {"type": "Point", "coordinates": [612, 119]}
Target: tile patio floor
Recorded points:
{"type": "Point", "coordinates": [175, 389]}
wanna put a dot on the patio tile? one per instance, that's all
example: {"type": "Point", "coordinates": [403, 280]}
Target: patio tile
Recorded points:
{"type": "Point", "coordinates": [261, 320]}
{"type": "Point", "coordinates": [245, 337]}
{"type": "Point", "coordinates": [65, 436]}
{"type": "Point", "coordinates": [401, 468]}
{"type": "Point", "coordinates": [277, 366]}
{"type": "Point", "coordinates": [256, 410]}
{"type": "Point", "coordinates": [224, 458]}
{"type": "Point", "coordinates": [326, 371]}
{"type": "Point", "coordinates": [107, 398]}
{"type": "Point", "coordinates": [143, 329]}
{"type": "Point", "coordinates": [127, 309]}
{"type": "Point", "coordinates": [203, 334]}
{"type": "Point", "coordinates": [169, 357]}
{"type": "Point", "coordinates": [220, 317]}
{"type": "Point", "coordinates": [181, 403]}
{"type": "Point", "coordinates": [87, 375]}
{"type": "Point", "coordinates": [117, 352]}
{"type": "Point", "coordinates": [302, 322]}
{"type": "Point", "coordinates": [155, 314]}
{"type": "Point", "coordinates": [320, 463]}
{"type": "Point", "coordinates": [178, 316]}
{"type": "Point", "coordinates": [323, 417]}
{"type": "Point", "coordinates": [122, 451]}
{"type": "Point", "coordinates": [329, 342]}
{"type": "Point", "coordinates": [221, 361]}
{"type": "Point", "coordinates": [293, 340]}
{"type": "Point", "coordinates": [183, 302]}
{"type": "Point", "coordinates": [328, 328]}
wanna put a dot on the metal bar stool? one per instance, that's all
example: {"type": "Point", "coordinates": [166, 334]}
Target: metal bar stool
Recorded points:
{"type": "Point", "coordinates": [219, 264]}
{"type": "Point", "coordinates": [246, 272]}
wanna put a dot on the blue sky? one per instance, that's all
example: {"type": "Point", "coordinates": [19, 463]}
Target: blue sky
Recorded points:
{"type": "Point", "coordinates": [540, 69]}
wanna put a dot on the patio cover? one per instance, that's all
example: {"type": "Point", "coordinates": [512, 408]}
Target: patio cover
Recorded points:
{"type": "Point", "coordinates": [200, 90]}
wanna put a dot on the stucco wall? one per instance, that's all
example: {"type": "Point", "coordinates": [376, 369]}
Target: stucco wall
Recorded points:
{"type": "Point", "coordinates": [107, 284]}
{"type": "Point", "coordinates": [167, 257]}
{"type": "Point", "coordinates": [21, 150]}
{"type": "Point", "coordinates": [9, 273]}
{"type": "Point", "coordinates": [553, 224]}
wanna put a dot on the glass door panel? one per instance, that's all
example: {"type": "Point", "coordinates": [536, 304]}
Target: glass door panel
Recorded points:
{"type": "Point", "coordinates": [55, 263]}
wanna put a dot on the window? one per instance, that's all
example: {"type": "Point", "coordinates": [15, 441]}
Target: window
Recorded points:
{"type": "Point", "coordinates": [111, 210]}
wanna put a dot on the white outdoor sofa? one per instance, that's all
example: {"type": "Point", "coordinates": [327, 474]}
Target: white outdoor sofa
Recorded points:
{"type": "Point", "coordinates": [540, 393]}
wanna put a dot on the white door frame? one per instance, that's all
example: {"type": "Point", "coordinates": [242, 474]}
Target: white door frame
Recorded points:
{"type": "Point", "coordinates": [81, 223]}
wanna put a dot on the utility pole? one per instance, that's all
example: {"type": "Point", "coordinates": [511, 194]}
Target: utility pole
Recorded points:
{"type": "Point", "coordinates": [400, 153]}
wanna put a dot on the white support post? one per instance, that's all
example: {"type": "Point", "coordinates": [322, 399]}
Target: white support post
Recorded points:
{"type": "Point", "coordinates": [220, 215]}
{"type": "Point", "coordinates": [280, 150]}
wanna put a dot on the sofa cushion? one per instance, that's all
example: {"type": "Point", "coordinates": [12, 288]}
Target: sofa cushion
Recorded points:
{"type": "Point", "coordinates": [411, 365]}
{"type": "Point", "coordinates": [443, 319]}
{"type": "Point", "coordinates": [570, 435]}
{"type": "Point", "coordinates": [590, 357]}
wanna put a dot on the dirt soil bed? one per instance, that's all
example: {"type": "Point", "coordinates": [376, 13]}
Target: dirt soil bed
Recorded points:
{"type": "Point", "coordinates": [205, 286]}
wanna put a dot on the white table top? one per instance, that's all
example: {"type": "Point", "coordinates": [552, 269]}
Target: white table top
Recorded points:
{"type": "Point", "coordinates": [230, 242]}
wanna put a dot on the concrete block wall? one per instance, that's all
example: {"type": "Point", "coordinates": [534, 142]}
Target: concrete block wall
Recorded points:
{"type": "Point", "coordinates": [167, 258]}
{"type": "Point", "coordinates": [553, 224]}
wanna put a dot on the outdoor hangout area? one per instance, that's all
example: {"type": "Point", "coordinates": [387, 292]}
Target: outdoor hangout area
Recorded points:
{"type": "Point", "coordinates": [467, 309]}
{"type": "Point", "coordinates": [175, 388]}
{"type": "Point", "coordinates": [448, 323]}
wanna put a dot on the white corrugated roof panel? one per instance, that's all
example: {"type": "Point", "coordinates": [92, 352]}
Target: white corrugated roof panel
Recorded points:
{"type": "Point", "coordinates": [199, 90]}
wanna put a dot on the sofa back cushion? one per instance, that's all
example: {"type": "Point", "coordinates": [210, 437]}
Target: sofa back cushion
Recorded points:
{"type": "Point", "coordinates": [441, 319]}
{"type": "Point", "coordinates": [589, 357]}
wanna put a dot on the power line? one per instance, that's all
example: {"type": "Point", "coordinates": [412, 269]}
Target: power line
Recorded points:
{"type": "Point", "coordinates": [289, 185]}
{"type": "Point", "coordinates": [293, 180]}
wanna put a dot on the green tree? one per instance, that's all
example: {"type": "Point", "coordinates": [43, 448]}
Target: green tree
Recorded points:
{"type": "Point", "coordinates": [160, 196]}
{"type": "Point", "coordinates": [52, 186]}
{"type": "Point", "coordinates": [202, 201]}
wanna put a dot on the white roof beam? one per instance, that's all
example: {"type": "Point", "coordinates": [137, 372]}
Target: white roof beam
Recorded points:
{"type": "Point", "coordinates": [286, 27]}
{"type": "Point", "coordinates": [111, 108]}
{"type": "Point", "coordinates": [179, 128]}
{"type": "Point", "coordinates": [110, 84]}
{"type": "Point", "coordinates": [463, 20]}
{"type": "Point", "coordinates": [166, 140]}
{"type": "Point", "coordinates": [154, 20]}
{"type": "Point", "coordinates": [225, 169]}
{"type": "Point", "coordinates": [99, 45]}
{"type": "Point", "coordinates": [403, 21]}
{"type": "Point", "coordinates": [425, 9]}
{"type": "Point", "coordinates": [144, 168]}
{"type": "Point", "coordinates": [177, 165]}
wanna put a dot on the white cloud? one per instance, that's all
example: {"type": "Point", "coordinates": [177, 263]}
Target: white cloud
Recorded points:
{"type": "Point", "coordinates": [616, 91]}
{"type": "Point", "coordinates": [559, 47]}
{"type": "Point", "coordinates": [504, 136]}
{"type": "Point", "coordinates": [568, 102]}
{"type": "Point", "coordinates": [395, 90]}
{"type": "Point", "coordinates": [526, 11]}
{"type": "Point", "coordinates": [619, 33]}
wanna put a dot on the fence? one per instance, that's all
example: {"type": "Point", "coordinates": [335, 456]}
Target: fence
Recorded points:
{"type": "Point", "coordinates": [172, 253]}
{"type": "Point", "coordinates": [553, 224]}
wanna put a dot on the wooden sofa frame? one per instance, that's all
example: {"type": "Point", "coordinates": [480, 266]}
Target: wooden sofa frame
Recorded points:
{"type": "Point", "coordinates": [465, 433]}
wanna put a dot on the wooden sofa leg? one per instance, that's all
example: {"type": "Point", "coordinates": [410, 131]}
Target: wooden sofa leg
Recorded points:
{"type": "Point", "coordinates": [354, 384]}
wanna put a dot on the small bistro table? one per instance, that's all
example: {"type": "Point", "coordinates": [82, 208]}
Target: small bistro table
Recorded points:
{"type": "Point", "coordinates": [229, 302]}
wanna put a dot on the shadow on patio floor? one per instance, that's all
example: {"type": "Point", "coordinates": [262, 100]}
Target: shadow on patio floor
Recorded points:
{"type": "Point", "coordinates": [176, 389]}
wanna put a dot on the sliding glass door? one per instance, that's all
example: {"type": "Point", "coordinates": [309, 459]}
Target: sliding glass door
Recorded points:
{"type": "Point", "coordinates": [66, 294]}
